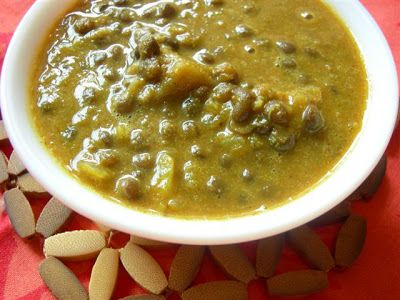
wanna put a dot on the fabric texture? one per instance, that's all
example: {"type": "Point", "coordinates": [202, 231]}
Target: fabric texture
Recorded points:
{"type": "Point", "coordinates": [375, 275]}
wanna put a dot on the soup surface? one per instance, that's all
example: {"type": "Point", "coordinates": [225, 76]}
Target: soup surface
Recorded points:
{"type": "Point", "coordinates": [199, 108]}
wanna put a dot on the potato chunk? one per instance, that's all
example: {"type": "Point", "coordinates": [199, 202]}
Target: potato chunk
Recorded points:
{"type": "Point", "coordinates": [162, 181]}
{"type": "Point", "coordinates": [93, 171]}
{"type": "Point", "coordinates": [183, 76]}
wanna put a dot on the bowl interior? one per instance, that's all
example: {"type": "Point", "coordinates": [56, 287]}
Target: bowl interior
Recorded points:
{"type": "Point", "coordinates": [366, 151]}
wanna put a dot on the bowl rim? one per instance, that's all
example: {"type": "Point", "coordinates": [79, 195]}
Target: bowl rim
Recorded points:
{"type": "Point", "coordinates": [202, 231]}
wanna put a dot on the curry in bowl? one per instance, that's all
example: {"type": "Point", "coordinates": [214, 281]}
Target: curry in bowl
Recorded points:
{"type": "Point", "coordinates": [199, 108]}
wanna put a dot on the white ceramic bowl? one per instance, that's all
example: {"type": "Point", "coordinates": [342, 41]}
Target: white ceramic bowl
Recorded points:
{"type": "Point", "coordinates": [366, 151]}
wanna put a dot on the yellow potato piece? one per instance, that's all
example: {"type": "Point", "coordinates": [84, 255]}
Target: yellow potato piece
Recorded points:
{"type": "Point", "coordinates": [122, 133]}
{"type": "Point", "coordinates": [15, 165]}
{"type": "Point", "coordinates": [136, 86]}
{"type": "Point", "coordinates": [20, 212]}
{"type": "Point", "coordinates": [183, 76]}
{"type": "Point", "coordinates": [232, 259]}
{"type": "Point", "coordinates": [104, 275]}
{"type": "Point", "coordinates": [93, 171]}
{"type": "Point", "coordinates": [162, 181]}
{"type": "Point", "coordinates": [217, 290]}
{"type": "Point", "coordinates": [63, 284]}
{"type": "Point", "coordinates": [30, 187]}
{"type": "Point", "coordinates": [143, 268]}
{"type": "Point", "coordinates": [185, 266]}
{"type": "Point", "coordinates": [75, 245]}
{"type": "Point", "coordinates": [52, 218]}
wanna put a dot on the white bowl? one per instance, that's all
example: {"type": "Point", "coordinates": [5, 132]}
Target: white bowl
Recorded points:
{"type": "Point", "coordinates": [379, 122]}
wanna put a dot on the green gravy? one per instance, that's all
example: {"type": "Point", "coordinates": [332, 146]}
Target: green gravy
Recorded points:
{"type": "Point", "coordinates": [199, 108]}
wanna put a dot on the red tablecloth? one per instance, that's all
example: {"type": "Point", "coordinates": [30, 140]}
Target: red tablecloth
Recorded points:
{"type": "Point", "coordinates": [376, 275]}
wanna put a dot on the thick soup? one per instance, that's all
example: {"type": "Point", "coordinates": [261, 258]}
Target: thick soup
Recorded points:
{"type": "Point", "coordinates": [199, 108]}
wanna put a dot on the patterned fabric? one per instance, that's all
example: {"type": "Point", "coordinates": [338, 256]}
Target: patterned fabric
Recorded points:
{"type": "Point", "coordinates": [375, 275]}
